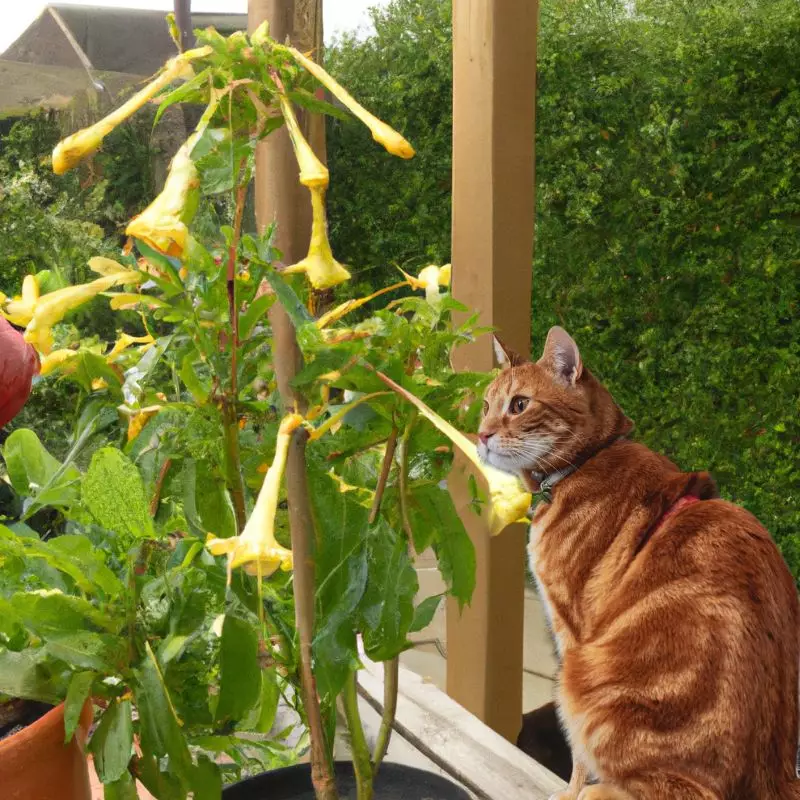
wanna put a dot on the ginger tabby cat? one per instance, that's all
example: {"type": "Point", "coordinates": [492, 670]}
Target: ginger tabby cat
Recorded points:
{"type": "Point", "coordinates": [674, 616]}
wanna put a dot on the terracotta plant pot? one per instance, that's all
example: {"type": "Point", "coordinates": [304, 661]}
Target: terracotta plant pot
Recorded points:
{"type": "Point", "coordinates": [35, 764]}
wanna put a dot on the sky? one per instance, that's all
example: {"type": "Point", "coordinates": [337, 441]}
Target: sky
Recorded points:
{"type": "Point", "coordinates": [340, 15]}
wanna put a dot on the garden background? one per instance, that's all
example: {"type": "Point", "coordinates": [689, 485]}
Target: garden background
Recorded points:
{"type": "Point", "coordinates": [668, 214]}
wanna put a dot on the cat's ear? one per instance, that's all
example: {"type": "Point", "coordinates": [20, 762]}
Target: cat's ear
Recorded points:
{"type": "Point", "coordinates": [561, 356]}
{"type": "Point", "coordinates": [505, 356]}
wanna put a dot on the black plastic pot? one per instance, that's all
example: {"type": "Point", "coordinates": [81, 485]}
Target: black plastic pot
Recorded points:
{"type": "Point", "coordinates": [394, 782]}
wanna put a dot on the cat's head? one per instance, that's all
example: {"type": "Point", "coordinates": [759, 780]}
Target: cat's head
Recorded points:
{"type": "Point", "coordinates": [544, 416]}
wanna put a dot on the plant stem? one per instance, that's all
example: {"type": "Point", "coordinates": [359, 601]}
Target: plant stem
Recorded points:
{"type": "Point", "coordinates": [230, 412]}
{"type": "Point", "coordinates": [156, 498]}
{"type": "Point", "coordinates": [361, 760]}
{"type": "Point", "coordinates": [386, 468]}
{"type": "Point", "coordinates": [391, 679]}
{"type": "Point", "coordinates": [404, 480]}
{"type": "Point", "coordinates": [301, 526]}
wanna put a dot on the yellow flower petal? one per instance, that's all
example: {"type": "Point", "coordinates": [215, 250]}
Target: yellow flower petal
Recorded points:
{"type": "Point", "coordinates": [138, 420]}
{"type": "Point", "coordinates": [56, 360]}
{"type": "Point", "coordinates": [126, 300]}
{"type": "Point", "coordinates": [509, 502]}
{"type": "Point", "coordinates": [381, 132]}
{"type": "Point", "coordinates": [52, 307]}
{"type": "Point", "coordinates": [320, 266]}
{"type": "Point", "coordinates": [256, 548]}
{"type": "Point", "coordinates": [19, 311]}
{"type": "Point", "coordinates": [312, 171]}
{"type": "Point", "coordinates": [124, 341]}
{"type": "Point", "coordinates": [69, 152]}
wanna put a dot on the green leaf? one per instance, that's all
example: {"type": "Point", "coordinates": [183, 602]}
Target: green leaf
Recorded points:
{"type": "Point", "coordinates": [52, 612]}
{"type": "Point", "coordinates": [96, 651]}
{"type": "Point", "coordinates": [387, 607]}
{"type": "Point", "coordinates": [305, 99]}
{"type": "Point", "coordinates": [78, 692]}
{"type": "Point", "coordinates": [26, 675]}
{"type": "Point", "coordinates": [254, 314]}
{"type": "Point", "coordinates": [199, 388]}
{"type": "Point", "coordinates": [288, 298]}
{"type": "Point", "coordinates": [262, 716]}
{"type": "Point", "coordinates": [207, 780]}
{"type": "Point", "coordinates": [112, 742]}
{"type": "Point", "coordinates": [160, 731]}
{"type": "Point", "coordinates": [193, 90]}
{"type": "Point", "coordinates": [31, 468]}
{"type": "Point", "coordinates": [206, 502]}
{"type": "Point", "coordinates": [122, 789]}
{"type": "Point", "coordinates": [456, 555]}
{"type": "Point", "coordinates": [424, 613]}
{"type": "Point", "coordinates": [240, 676]}
{"type": "Point", "coordinates": [113, 492]}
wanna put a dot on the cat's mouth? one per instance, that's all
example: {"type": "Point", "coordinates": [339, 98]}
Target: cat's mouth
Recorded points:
{"type": "Point", "coordinates": [521, 457]}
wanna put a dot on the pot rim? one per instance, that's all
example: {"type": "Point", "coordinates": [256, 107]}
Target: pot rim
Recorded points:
{"type": "Point", "coordinates": [43, 725]}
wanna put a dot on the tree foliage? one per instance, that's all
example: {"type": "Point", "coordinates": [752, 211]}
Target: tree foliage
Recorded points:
{"type": "Point", "coordinates": [668, 212]}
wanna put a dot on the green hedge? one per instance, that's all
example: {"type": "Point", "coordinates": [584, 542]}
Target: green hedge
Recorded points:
{"type": "Point", "coordinates": [668, 212]}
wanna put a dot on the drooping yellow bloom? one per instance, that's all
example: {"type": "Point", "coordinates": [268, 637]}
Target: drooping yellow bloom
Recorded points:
{"type": "Point", "coordinates": [69, 152]}
{"type": "Point", "coordinates": [322, 269]}
{"type": "Point", "coordinates": [256, 547]}
{"type": "Point", "coordinates": [138, 419]}
{"type": "Point", "coordinates": [19, 311]}
{"type": "Point", "coordinates": [124, 341]}
{"type": "Point", "coordinates": [508, 501]}
{"type": "Point", "coordinates": [381, 132]}
{"type": "Point", "coordinates": [312, 171]}
{"type": "Point", "coordinates": [430, 279]}
{"type": "Point", "coordinates": [51, 308]}
{"type": "Point", "coordinates": [163, 225]}
{"type": "Point", "coordinates": [56, 360]}
{"type": "Point", "coordinates": [127, 301]}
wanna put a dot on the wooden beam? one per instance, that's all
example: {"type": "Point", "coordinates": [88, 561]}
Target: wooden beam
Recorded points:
{"type": "Point", "coordinates": [494, 84]}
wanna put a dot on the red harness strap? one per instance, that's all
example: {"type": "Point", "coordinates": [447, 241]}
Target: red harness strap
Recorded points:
{"type": "Point", "coordinates": [680, 503]}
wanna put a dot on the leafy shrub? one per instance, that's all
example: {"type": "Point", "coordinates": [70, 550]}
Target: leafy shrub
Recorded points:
{"type": "Point", "coordinates": [668, 212]}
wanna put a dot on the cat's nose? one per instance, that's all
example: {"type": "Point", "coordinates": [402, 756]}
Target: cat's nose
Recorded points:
{"type": "Point", "coordinates": [484, 437]}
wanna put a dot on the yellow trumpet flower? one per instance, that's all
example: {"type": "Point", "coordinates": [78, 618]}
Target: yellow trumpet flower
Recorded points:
{"type": "Point", "coordinates": [312, 171]}
{"type": "Point", "coordinates": [255, 547]}
{"type": "Point", "coordinates": [124, 341]}
{"type": "Point", "coordinates": [163, 225]}
{"type": "Point", "coordinates": [430, 279]}
{"type": "Point", "coordinates": [51, 308]}
{"type": "Point", "coordinates": [381, 132]}
{"type": "Point", "coordinates": [19, 311]}
{"type": "Point", "coordinates": [138, 419]}
{"type": "Point", "coordinates": [69, 152]}
{"type": "Point", "coordinates": [320, 266]}
{"type": "Point", "coordinates": [56, 360]}
{"type": "Point", "coordinates": [508, 501]}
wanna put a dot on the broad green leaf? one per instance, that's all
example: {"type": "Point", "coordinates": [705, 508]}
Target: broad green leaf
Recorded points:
{"type": "Point", "coordinates": [122, 789]}
{"type": "Point", "coordinates": [240, 676]}
{"type": "Point", "coordinates": [424, 613]}
{"type": "Point", "coordinates": [114, 494]}
{"type": "Point", "coordinates": [31, 469]}
{"type": "Point", "coordinates": [341, 578]}
{"type": "Point", "coordinates": [193, 90]}
{"type": "Point", "coordinates": [199, 389]}
{"type": "Point", "coordinates": [159, 728]}
{"type": "Point", "coordinates": [387, 608]}
{"type": "Point", "coordinates": [207, 780]}
{"type": "Point", "coordinates": [456, 554]}
{"type": "Point", "coordinates": [96, 651]}
{"type": "Point", "coordinates": [26, 675]}
{"type": "Point", "coordinates": [206, 502]}
{"type": "Point", "coordinates": [256, 312]}
{"type": "Point", "coordinates": [112, 742]}
{"type": "Point", "coordinates": [52, 612]}
{"type": "Point", "coordinates": [78, 692]}
{"type": "Point", "coordinates": [262, 716]}
{"type": "Point", "coordinates": [288, 298]}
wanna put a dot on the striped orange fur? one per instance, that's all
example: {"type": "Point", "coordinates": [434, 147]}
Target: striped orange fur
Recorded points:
{"type": "Point", "coordinates": [677, 633]}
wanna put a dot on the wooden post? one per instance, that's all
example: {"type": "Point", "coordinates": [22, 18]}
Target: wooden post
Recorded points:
{"type": "Point", "coordinates": [494, 84]}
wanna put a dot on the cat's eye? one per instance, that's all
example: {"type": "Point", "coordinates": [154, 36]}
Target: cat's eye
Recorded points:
{"type": "Point", "coordinates": [518, 404]}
